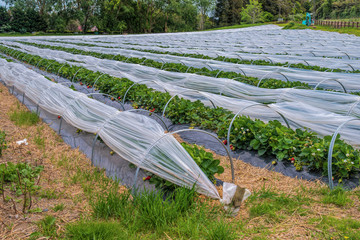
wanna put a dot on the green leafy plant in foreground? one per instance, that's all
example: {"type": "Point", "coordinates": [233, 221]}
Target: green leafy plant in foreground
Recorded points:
{"type": "Point", "coordinates": [47, 228]}
{"type": "Point", "coordinates": [21, 179]}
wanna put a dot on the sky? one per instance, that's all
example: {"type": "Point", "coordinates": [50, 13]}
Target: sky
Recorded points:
{"type": "Point", "coordinates": [2, 3]}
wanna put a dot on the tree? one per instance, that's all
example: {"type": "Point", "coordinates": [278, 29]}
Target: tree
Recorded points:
{"type": "Point", "coordinates": [4, 20]}
{"type": "Point", "coordinates": [252, 12]}
{"type": "Point", "coordinates": [87, 9]}
{"type": "Point", "coordinates": [4, 16]}
{"type": "Point", "coordinates": [204, 7]}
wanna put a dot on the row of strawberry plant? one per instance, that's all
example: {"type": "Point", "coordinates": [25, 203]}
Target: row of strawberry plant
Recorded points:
{"type": "Point", "coordinates": [227, 59]}
{"type": "Point", "coordinates": [178, 67]}
{"type": "Point", "coordinates": [298, 147]}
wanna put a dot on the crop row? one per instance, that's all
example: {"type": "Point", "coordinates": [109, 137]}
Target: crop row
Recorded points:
{"type": "Point", "coordinates": [227, 59]}
{"type": "Point", "coordinates": [298, 147]}
{"type": "Point", "coordinates": [178, 67]}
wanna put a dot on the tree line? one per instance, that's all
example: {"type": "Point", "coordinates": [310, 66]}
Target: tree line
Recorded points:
{"type": "Point", "coordinates": [148, 16]}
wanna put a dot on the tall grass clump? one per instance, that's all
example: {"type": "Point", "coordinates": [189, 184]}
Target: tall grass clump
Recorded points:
{"type": "Point", "coordinates": [179, 214]}
{"type": "Point", "coordinates": [22, 117]}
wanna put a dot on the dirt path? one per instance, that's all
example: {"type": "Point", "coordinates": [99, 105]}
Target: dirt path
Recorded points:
{"type": "Point", "coordinates": [57, 181]}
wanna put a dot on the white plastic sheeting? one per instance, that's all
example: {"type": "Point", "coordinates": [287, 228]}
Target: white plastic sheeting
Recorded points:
{"type": "Point", "coordinates": [349, 80]}
{"type": "Point", "coordinates": [335, 102]}
{"type": "Point", "coordinates": [291, 103]}
{"type": "Point", "coordinates": [264, 42]}
{"type": "Point", "coordinates": [346, 64]}
{"type": "Point", "coordinates": [320, 111]}
{"type": "Point", "coordinates": [136, 138]}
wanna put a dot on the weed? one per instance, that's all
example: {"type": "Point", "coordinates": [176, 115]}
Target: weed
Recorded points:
{"type": "Point", "coordinates": [50, 194]}
{"type": "Point", "coordinates": [38, 139]}
{"type": "Point", "coordinates": [112, 205]}
{"type": "Point", "coordinates": [337, 196]}
{"type": "Point", "coordinates": [3, 144]}
{"type": "Point", "coordinates": [334, 228]}
{"type": "Point", "coordinates": [23, 118]}
{"type": "Point", "coordinates": [271, 204]}
{"type": "Point", "coordinates": [59, 207]}
{"type": "Point", "coordinates": [47, 228]}
{"type": "Point", "coordinates": [96, 230]}
{"type": "Point", "coordinates": [220, 230]}
{"type": "Point", "coordinates": [178, 214]}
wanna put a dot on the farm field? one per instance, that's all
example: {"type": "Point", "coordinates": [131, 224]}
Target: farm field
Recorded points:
{"type": "Point", "coordinates": [261, 91]}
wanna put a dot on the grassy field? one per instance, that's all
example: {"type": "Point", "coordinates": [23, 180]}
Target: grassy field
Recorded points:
{"type": "Point", "coordinates": [237, 26]}
{"type": "Point", "coordinates": [355, 31]}
{"type": "Point", "coordinates": [344, 20]}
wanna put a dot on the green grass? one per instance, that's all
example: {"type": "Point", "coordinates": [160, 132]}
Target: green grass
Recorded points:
{"type": "Point", "coordinates": [237, 26]}
{"type": "Point", "coordinates": [337, 196]}
{"type": "Point", "coordinates": [355, 31]}
{"type": "Point", "coordinates": [274, 206]}
{"type": "Point", "coordinates": [150, 215]}
{"type": "Point", "coordinates": [98, 230]}
{"type": "Point", "coordinates": [23, 117]}
{"type": "Point", "coordinates": [337, 228]}
{"type": "Point", "coordinates": [50, 194]}
{"type": "Point", "coordinates": [348, 30]}
{"type": "Point", "coordinates": [38, 139]}
{"type": "Point", "coordinates": [59, 207]}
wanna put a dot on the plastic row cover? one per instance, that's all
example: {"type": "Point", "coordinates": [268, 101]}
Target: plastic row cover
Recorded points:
{"type": "Point", "coordinates": [333, 102]}
{"type": "Point", "coordinates": [283, 56]}
{"type": "Point", "coordinates": [298, 115]}
{"type": "Point", "coordinates": [268, 39]}
{"type": "Point", "coordinates": [136, 138]}
{"type": "Point", "coordinates": [350, 81]}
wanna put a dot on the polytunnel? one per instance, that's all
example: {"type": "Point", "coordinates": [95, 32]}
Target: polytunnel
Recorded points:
{"type": "Point", "coordinates": [259, 71]}
{"type": "Point", "coordinates": [130, 135]}
{"type": "Point", "coordinates": [233, 94]}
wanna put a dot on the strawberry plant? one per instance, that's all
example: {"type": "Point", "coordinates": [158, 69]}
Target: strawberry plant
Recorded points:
{"type": "Point", "coordinates": [270, 138]}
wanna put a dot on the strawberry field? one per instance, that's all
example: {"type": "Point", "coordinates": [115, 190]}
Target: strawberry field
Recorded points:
{"type": "Point", "coordinates": [259, 89]}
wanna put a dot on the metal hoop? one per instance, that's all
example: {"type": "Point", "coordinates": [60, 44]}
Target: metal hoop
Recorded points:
{"type": "Point", "coordinates": [342, 86]}
{"type": "Point", "coordinates": [72, 80]}
{"type": "Point", "coordinates": [332, 143]}
{"type": "Point", "coordinates": [131, 87]}
{"type": "Point", "coordinates": [269, 74]}
{"type": "Point", "coordinates": [98, 79]}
